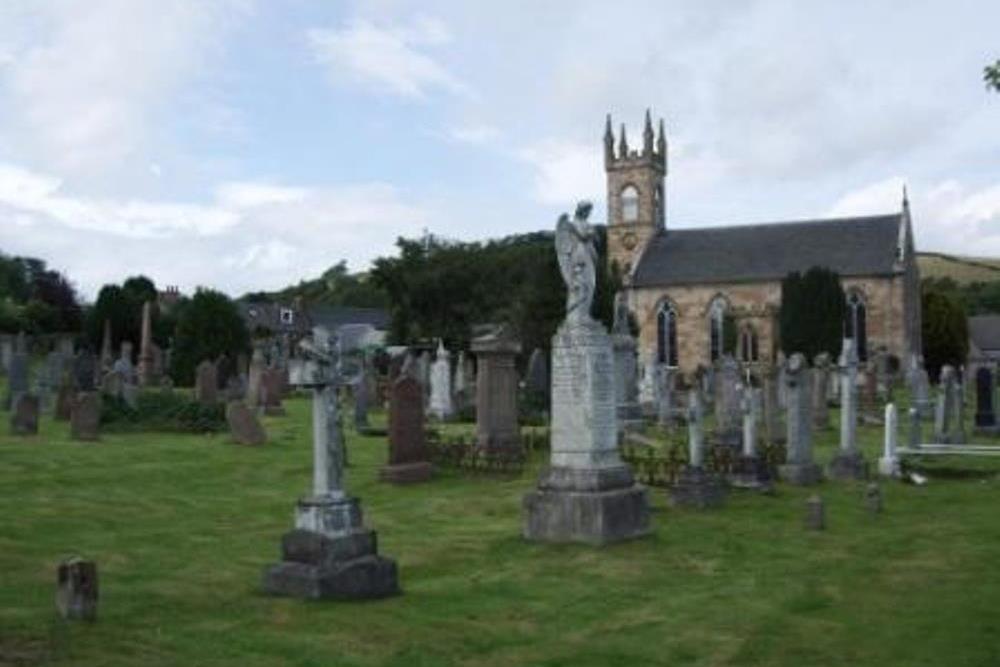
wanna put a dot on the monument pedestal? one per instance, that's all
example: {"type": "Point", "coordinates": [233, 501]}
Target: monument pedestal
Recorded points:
{"type": "Point", "coordinates": [752, 472]}
{"type": "Point", "coordinates": [330, 555]}
{"type": "Point", "coordinates": [698, 488]}
{"type": "Point", "coordinates": [406, 473]}
{"type": "Point", "coordinates": [848, 465]}
{"type": "Point", "coordinates": [591, 505]}
{"type": "Point", "coordinates": [800, 474]}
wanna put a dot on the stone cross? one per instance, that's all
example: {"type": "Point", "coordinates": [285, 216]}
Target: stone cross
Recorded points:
{"type": "Point", "coordinates": [848, 396]}
{"type": "Point", "coordinates": [888, 465]}
{"type": "Point", "coordinates": [799, 467]}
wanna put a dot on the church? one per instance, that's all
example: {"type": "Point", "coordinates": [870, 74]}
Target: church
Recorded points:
{"type": "Point", "coordinates": [682, 284]}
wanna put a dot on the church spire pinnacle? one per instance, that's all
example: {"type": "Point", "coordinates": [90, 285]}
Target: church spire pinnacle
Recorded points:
{"type": "Point", "coordinates": [609, 142]}
{"type": "Point", "coordinates": [623, 144]}
{"type": "Point", "coordinates": [647, 136]}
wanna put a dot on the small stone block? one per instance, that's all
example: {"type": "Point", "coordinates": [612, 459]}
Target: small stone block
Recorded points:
{"type": "Point", "coordinates": [752, 472]}
{"type": "Point", "coordinates": [304, 546]}
{"type": "Point", "coordinates": [593, 517]}
{"type": "Point", "coordinates": [24, 417]}
{"type": "Point", "coordinates": [873, 498]}
{"type": "Point", "coordinates": [365, 578]}
{"type": "Point", "coordinates": [800, 474]}
{"type": "Point", "coordinates": [406, 473]}
{"type": "Point", "coordinates": [698, 488]}
{"type": "Point", "coordinates": [848, 466]}
{"type": "Point", "coordinates": [76, 592]}
{"type": "Point", "coordinates": [815, 514]}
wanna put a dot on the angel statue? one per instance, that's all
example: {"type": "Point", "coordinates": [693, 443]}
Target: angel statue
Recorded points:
{"type": "Point", "coordinates": [577, 260]}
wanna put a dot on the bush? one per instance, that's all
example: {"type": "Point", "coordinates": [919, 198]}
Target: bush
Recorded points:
{"type": "Point", "coordinates": [811, 319]}
{"type": "Point", "coordinates": [162, 411]}
{"type": "Point", "coordinates": [208, 326]}
{"type": "Point", "coordinates": [945, 332]}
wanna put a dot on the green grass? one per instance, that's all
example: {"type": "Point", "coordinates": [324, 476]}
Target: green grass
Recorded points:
{"type": "Point", "coordinates": [181, 527]}
{"type": "Point", "coordinates": [963, 270]}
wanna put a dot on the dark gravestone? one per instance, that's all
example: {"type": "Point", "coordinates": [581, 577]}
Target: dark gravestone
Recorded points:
{"type": "Point", "coordinates": [84, 369]}
{"type": "Point", "coordinates": [272, 384]}
{"type": "Point", "coordinates": [85, 419]}
{"type": "Point", "coordinates": [64, 401]}
{"type": "Point", "coordinates": [407, 446]}
{"type": "Point", "coordinates": [225, 369]}
{"type": "Point", "coordinates": [206, 384]}
{"type": "Point", "coordinates": [76, 590]}
{"type": "Point", "coordinates": [986, 418]}
{"type": "Point", "coordinates": [873, 498]}
{"type": "Point", "coordinates": [244, 426]}
{"type": "Point", "coordinates": [24, 417]}
{"type": "Point", "coordinates": [815, 514]}
{"type": "Point", "coordinates": [17, 378]}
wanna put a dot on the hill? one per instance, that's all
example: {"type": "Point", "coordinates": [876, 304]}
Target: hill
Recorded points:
{"type": "Point", "coordinates": [963, 270]}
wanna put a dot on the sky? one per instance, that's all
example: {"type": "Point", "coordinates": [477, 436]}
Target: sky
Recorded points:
{"type": "Point", "coordinates": [247, 145]}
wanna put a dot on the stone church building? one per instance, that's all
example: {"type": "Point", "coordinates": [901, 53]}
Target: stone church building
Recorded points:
{"type": "Point", "coordinates": [682, 284]}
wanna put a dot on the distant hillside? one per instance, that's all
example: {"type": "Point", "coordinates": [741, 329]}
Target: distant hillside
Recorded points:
{"type": "Point", "coordinates": [336, 287]}
{"type": "Point", "coordinates": [963, 270]}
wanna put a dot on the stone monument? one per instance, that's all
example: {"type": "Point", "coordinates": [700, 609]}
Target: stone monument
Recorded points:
{"type": "Point", "coordinates": [626, 367]}
{"type": "Point", "coordinates": [440, 403]}
{"type": "Point", "coordinates": [799, 467]}
{"type": "Point", "coordinates": [752, 471]}
{"type": "Point", "coordinates": [728, 417]}
{"type": "Point", "coordinates": [147, 358]}
{"type": "Point", "coordinates": [587, 494]}
{"type": "Point", "coordinates": [407, 444]}
{"type": "Point", "coordinates": [821, 381]}
{"type": "Point", "coordinates": [206, 384]}
{"type": "Point", "coordinates": [848, 462]}
{"type": "Point", "coordinates": [329, 554]}
{"type": "Point", "coordinates": [695, 486]}
{"type": "Point", "coordinates": [24, 414]}
{"type": "Point", "coordinates": [986, 416]}
{"type": "Point", "coordinates": [244, 427]}
{"type": "Point", "coordinates": [496, 393]}
{"type": "Point", "coordinates": [889, 464]}
{"type": "Point", "coordinates": [85, 416]}
{"type": "Point", "coordinates": [76, 590]}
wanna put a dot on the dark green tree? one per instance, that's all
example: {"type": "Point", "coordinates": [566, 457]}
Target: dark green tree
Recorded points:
{"type": "Point", "coordinates": [209, 325]}
{"type": "Point", "coordinates": [945, 331]}
{"type": "Point", "coordinates": [114, 306]}
{"type": "Point", "coordinates": [811, 319]}
{"type": "Point", "coordinates": [991, 76]}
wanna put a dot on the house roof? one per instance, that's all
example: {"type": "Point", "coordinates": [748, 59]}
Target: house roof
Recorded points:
{"type": "Point", "coordinates": [334, 317]}
{"type": "Point", "coordinates": [269, 315]}
{"type": "Point", "coordinates": [984, 330]}
{"type": "Point", "coordinates": [862, 246]}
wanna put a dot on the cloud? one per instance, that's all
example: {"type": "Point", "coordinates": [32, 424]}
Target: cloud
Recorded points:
{"type": "Point", "coordinates": [565, 172]}
{"type": "Point", "coordinates": [386, 59]}
{"type": "Point", "coordinates": [475, 134]}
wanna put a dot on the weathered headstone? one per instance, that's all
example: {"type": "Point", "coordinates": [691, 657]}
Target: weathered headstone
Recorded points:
{"type": "Point", "coordinates": [664, 395]}
{"type": "Point", "coordinates": [799, 468]}
{"type": "Point", "coordinates": [957, 435]}
{"type": "Point", "coordinates": [85, 370]}
{"type": "Point", "coordinates": [696, 487]}
{"type": "Point", "coordinates": [868, 403]}
{"type": "Point", "coordinates": [85, 417]}
{"type": "Point", "coordinates": [873, 498]}
{"type": "Point", "coordinates": [17, 378]}
{"type": "Point", "coordinates": [587, 494]}
{"type": "Point", "coordinates": [751, 470]}
{"type": "Point", "coordinates": [916, 434]}
{"type": "Point", "coordinates": [244, 427]}
{"type": "Point", "coordinates": [774, 428]}
{"type": "Point", "coordinates": [407, 445]}
{"type": "Point", "coordinates": [461, 387]}
{"type": "Point", "coordinates": [889, 464]}
{"type": "Point", "coordinates": [815, 513]}
{"type": "Point", "coordinates": [24, 414]}
{"type": "Point", "coordinates": [728, 417]}
{"type": "Point", "coordinates": [124, 364]}
{"type": "Point", "coordinates": [423, 373]}
{"type": "Point", "coordinates": [361, 390]}
{"type": "Point", "coordinates": [206, 385]}
{"type": "Point", "coordinates": [329, 554]}
{"type": "Point", "coordinates": [986, 416]}
{"type": "Point", "coordinates": [626, 367]}
{"type": "Point", "coordinates": [440, 403]}
{"type": "Point", "coordinates": [64, 401]}
{"type": "Point", "coordinates": [77, 590]}
{"type": "Point", "coordinates": [821, 382]}
{"type": "Point", "coordinates": [255, 379]}
{"type": "Point", "coordinates": [272, 383]}
{"type": "Point", "coordinates": [848, 463]}
{"type": "Point", "coordinates": [496, 394]}
{"type": "Point", "coordinates": [944, 408]}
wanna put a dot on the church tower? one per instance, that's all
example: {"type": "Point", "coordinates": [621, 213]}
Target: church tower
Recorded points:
{"type": "Point", "coordinates": [636, 203]}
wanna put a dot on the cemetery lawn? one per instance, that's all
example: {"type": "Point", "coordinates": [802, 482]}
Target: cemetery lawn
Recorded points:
{"type": "Point", "coordinates": [181, 527]}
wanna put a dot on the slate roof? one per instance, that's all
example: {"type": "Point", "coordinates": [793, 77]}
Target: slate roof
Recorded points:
{"type": "Point", "coordinates": [333, 317]}
{"type": "Point", "coordinates": [984, 331]}
{"type": "Point", "coordinates": [863, 246]}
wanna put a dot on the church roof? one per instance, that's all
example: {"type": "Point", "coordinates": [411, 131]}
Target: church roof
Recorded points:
{"type": "Point", "coordinates": [863, 246]}
{"type": "Point", "coordinates": [984, 330]}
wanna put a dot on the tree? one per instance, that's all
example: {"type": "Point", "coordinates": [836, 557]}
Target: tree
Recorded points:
{"type": "Point", "coordinates": [811, 319]}
{"type": "Point", "coordinates": [208, 325]}
{"type": "Point", "coordinates": [945, 331]}
{"type": "Point", "coordinates": [991, 76]}
{"type": "Point", "coordinates": [113, 306]}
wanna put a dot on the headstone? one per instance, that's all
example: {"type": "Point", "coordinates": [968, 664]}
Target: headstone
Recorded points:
{"type": "Point", "coordinates": [85, 370]}
{"type": "Point", "coordinates": [361, 390]}
{"type": "Point", "coordinates": [124, 363]}
{"type": "Point", "coordinates": [48, 378]}
{"type": "Point", "coordinates": [244, 427]}
{"type": "Point", "coordinates": [496, 394]}
{"type": "Point", "coordinates": [869, 406]}
{"type": "Point", "coordinates": [440, 404]}
{"type": "Point", "coordinates": [85, 417]}
{"type": "Point", "coordinates": [206, 385]}
{"type": "Point", "coordinates": [423, 372]}
{"type": "Point", "coordinates": [774, 427]}
{"type": "Point", "coordinates": [64, 401]}
{"type": "Point", "coordinates": [255, 379]}
{"type": "Point", "coordinates": [407, 445]}
{"type": "Point", "coordinates": [626, 367]}
{"type": "Point", "coordinates": [24, 414]}
{"type": "Point", "coordinates": [958, 412]}
{"type": "Point", "coordinates": [329, 554]}
{"type": "Point", "coordinates": [17, 378]}
{"type": "Point", "coordinates": [728, 416]}
{"type": "Point", "coordinates": [889, 464]}
{"type": "Point", "coordinates": [986, 416]}
{"type": "Point", "coordinates": [873, 498]}
{"type": "Point", "coordinates": [76, 590]}
{"type": "Point", "coordinates": [815, 513]}
{"type": "Point", "coordinates": [696, 487]}
{"type": "Point", "coordinates": [130, 394]}
{"type": "Point", "coordinates": [916, 435]}
{"type": "Point", "coordinates": [225, 369]}
{"type": "Point", "coordinates": [944, 409]}
{"type": "Point", "coordinates": [848, 463]}
{"type": "Point", "coordinates": [272, 381]}
{"type": "Point", "coordinates": [920, 389]}
{"type": "Point", "coordinates": [664, 395]}
{"type": "Point", "coordinates": [146, 370]}
{"type": "Point", "coordinates": [883, 376]}
{"type": "Point", "coordinates": [799, 467]}
{"type": "Point", "coordinates": [460, 385]}
{"type": "Point", "coordinates": [587, 494]}
{"type": "Point", "coordinates": [751, 470]}
{"type": "Point", "coordinates": [821, 382]}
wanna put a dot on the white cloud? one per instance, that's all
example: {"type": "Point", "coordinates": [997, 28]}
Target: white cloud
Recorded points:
{"type": "Point", "coordinates": [386, 59]}
{"type": "Point", "coordinates": [565, 172]}
{"type": "Point", "coordinates": [475, 134]}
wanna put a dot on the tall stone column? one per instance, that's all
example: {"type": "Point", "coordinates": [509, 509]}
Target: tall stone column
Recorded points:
{"type": "Point", "coordinates": [799, 467]}
{"type": "Point", "coordinates": [848, 463]}
{"type": "Point", "coordinates": [147, 358]}
{"type": "Point", "coordinates": [329, 554]}
{"type": "Point", "coordinates": [497, 432]}
{"type": "Point", "coordinates": [821, 381]}
{"type": "Point", "coordinates": [888, 465]}
{"type": "Point", "coordinates": [626, 368]}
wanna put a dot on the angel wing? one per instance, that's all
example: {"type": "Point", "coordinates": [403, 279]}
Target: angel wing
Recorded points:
{"type": "Point", "coordinates": [566, 241]}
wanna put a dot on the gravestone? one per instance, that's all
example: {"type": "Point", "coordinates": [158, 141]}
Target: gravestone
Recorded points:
{"type": "Point", "coordinates": [206, 384]}
{"type": "Point", "coordinates": [244, 427]}
{"type": "Point", "coordinates": [225, 369]}
{"type": "Point", "coordinates": [255, 379]}
{"type": "Point", "coordinates": [496, 394]}
{"type": "Point", "coordinates": [883, 376]}
{"type": "Point", "coordinates": [423, 373]}
{"type": "Point", "coordinates": [664, 395]}
{"type": "Point", "coordinates": [17, 378]}
{"type": "Point", "coordinates": [272, 383]}
{"type": "Point", "coordinates": [24, 414]}
{"type": "Point", "coordinates": [695, 486]}
{"type": "Point", "coordinates": [124, 363]}
{"type": "Point", "coordinates": [774, 427]}
{"type": "Point", "coordinates": [626, 367]}
{"type": "Point", "coordinates": [77, 590]}
{"type": "Point", "coordinates": [130, 394]}
{"type": "Point", "coordinates": [85, 417]}
{"type": "Point", "coordinates": [587, 493]}
{"type": "Point", "coordinates": [957, 435]}
{"type": "Point", "coordinates": [848, 463]}
{"type": "Point", "coordinates": [751, 470]}
{"type": "Point", "coordinates": [440, 402]}
{"type": "Point", "coordinates": [869, 410]}
{"type": "Point", "coordinates": [85, 370]}
{"type": "Point", "coordinates": [728, 416]}
{"type": "Point", "coordinates": [49, 377]}
{"type": "Point", "coordinates": [986, 416]}
{"type": "Point", "coordinates": [64, 401]}
{"type": "Point", "coordinates": [944, 413]}
{"type": "Point", "coordinates": [873, 498]}
{"type": "Point", "coordinates": [330, 554]}
{"type": "Point", "coordinates": [461, 387]}
{"type": "Point", "coordinates": [821, 381]}
{"type": "Point", "coordinates": [916, 432]}
{"type": "Point", "coordinates": [407, 444]}
{"type": "Point", "coordinates": [799, 467]}
{"type": "Point", "coordinates": [360, 391]}
{"type": "Point", "coordinates": [107, 350]}
{"type": "Point", "coordinates": [146, 370]}
{"type": "Point", "coordinates": [920, 387]}
{"type": "Point", "coordinates": [815, 513]}
{"type": "Point", "coordinates": [888, 463]}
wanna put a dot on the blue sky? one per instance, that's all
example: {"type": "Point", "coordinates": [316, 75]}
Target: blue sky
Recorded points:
{"type": "Point", "coordinates": [246, 145]}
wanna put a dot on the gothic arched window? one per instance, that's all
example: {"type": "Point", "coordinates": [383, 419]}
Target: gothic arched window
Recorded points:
{"type": "Point", "coordinates": [716, 323]}
{"type": "Point", "coordinates": [748, 345]}
{"type": "Point", "coordinates": [666, 335]}
{"type": "Point", "coordinates": [630, 203]}
{"type": "Point", "coordinates": [855, 326]}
